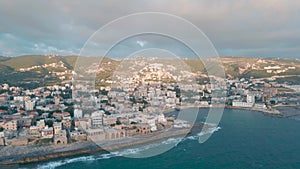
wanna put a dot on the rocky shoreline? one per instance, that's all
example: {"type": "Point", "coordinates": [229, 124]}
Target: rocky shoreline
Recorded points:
{"type": "Point", "coordinates": [264, 111]}
{"type": "Point", "coordinates": [272, 111]}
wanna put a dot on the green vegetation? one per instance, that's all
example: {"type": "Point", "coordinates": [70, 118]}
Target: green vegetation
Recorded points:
{"type": "Point", "coordinates": [232, 70]}
{"type": "Point", "coordinates": [118, 122]}
{"type": "Point", "coordinates": [30, 60]}
{"type": "Point", "coordinates": [235, 67]}
{"type": "Point", "coordinates": [5, 69]}
{"type": "Point", "coordinates": [294, 80]}
{"type": "Point", "coordinates": [70, 61]}
{"type": "Point", "coordinates": [195, 65]}
{"type": "Point", "coordinates": [257, 74]}
{"type": "Point", "coordinates": [291, 72]}
{"type": "Point", "coordinates": [4, 58]}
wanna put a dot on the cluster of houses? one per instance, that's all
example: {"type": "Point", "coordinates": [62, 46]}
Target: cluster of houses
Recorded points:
{"type": "Point", "coordinates": [62, 74]}
{"type": "Point", "coordinates": [49, 115]}
{"type": "Point", "coordinates": [278, 69]}
{"type": "Point", "coordinates": [259, 94]}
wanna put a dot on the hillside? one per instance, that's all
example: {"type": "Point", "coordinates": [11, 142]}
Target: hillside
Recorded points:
{"type": "Point", "coordinates": [4, 58]}
{"type": "Point", "coordinates": [37, 70]}
{"type": "Point", "coordinates": [260, 67]}
{"type": "Point", "coordinates": [5, 69]}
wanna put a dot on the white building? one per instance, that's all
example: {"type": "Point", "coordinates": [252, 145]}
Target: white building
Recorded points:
{"type": "Point", "coordinates": [250, 98]}
{"type": "Point", "coordinates": [78, 113]}
{"type": "Point", "coordinates": [97, 121]}
{"type": "Point", "coordinates": [260, 106]}
{"type": "Point", "coordinates": [161, 118]}
{"type": "Point", "coordinates": [1, 134]}
{"type": "Point", "coordinates": [41, 124]}
{"type": "Point", "coordinates": [237, 103]}
{"type": "Point", "coordinates": [29, 105]}
{"type": "Point", "coordinates": [19, 98]}
{"type": "Point", "coordinates": [57, 127]}
{"type": "Point", "coordinates": [56, 100]}
{"type": "Point", "coordinates": [47, 132]}
{"type": "Point", "coordinates": [152, 123]}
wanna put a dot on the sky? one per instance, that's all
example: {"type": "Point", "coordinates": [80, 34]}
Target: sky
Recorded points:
{"type": "Point", "coordinates": [257, 28]}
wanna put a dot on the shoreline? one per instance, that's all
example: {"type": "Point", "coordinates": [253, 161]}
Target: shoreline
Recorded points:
{"type": "Point", "coordinates": [272, 111]}
{"type": "Point", "coordinates": [43, 153]}
{"type": "Point", "coordinates": [35, 153]}
{"type": "Point", "coordinates": [264, 111]}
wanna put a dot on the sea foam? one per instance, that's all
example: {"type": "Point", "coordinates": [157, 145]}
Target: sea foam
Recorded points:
{"type": "Point", "coordinates": [125, 152]}
{"type": "Point", "coordinates": [210, 130]}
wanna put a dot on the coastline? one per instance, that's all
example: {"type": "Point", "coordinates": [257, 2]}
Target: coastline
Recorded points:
{"type": "Point", "coordinates": [12, 155]}
{"type": "Point", "coordinates": [264, 111]}
{"type": "Point", "coordinates": [272, 111]}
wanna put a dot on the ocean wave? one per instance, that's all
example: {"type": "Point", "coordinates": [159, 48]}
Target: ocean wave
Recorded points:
{"type": "Point", "coordinates": [55, 164]}
{"type": "Point", "coordinates": [125, 152]}
{"type": "Point", "coordinates": [192, 137]}
{"type": "Point", "coordinates": [172, 141]}
{"type": "Point", "coordinates": [206, 131]}
{"type": "Point", "coordinates": [143, 148]}
{"type": "Point", "coordinates": [209, 131]}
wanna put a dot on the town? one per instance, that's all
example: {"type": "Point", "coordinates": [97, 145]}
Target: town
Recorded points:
{"type": "Point", "coordinates": [133, 105]}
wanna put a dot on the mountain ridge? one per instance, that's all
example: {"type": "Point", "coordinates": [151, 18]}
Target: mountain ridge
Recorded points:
{"type": "Point", "coordinates": [53, 69]}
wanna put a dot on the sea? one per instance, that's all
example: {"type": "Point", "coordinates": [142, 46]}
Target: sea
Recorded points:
{"type": "Point", "coordinates": [242, 140]}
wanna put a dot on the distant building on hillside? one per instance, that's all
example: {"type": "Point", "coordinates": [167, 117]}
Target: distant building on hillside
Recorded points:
{"type": "Point", "coordinates": [29, 105]}
{"type": "Point", "coordinates": [78, 113]}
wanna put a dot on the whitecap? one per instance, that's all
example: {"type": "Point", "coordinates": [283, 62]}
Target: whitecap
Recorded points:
{"type": "Point", "coordinates": [209, 130]}
{"type": "Point", "coordinates": [55, 164]}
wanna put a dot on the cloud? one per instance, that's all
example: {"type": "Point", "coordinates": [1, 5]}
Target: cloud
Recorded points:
{"type": "Point", "coordinates": [250, 28]}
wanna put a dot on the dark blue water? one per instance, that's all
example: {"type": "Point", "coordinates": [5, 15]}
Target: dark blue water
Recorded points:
{"type": "Point", "coordinates": [246, 140]}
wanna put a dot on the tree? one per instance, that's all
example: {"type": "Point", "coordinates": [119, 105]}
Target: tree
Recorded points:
{"type": "Point", "coordinates": [49, 123]}
{"type": "Point", "coordinates": [177, 90]}
{"type": "Point", "coordinates": [40, 112]}
{"type": "Point", "coordinates": [49, 97]}
{"type": "Point", "coordinates": [107, 113]}
{"type": "Point", "coordinates": [32, 96]}
{"type": "Point", "coordinates": [145, 102]}
{"type": "Point", "coordinates": [3, 108]}
{"type": "Point", "coordinates": [118, 122]}
{"type": "Point", "coordinates": [103, 92]}
{"type": "Point", "coordinates": [70, 110]}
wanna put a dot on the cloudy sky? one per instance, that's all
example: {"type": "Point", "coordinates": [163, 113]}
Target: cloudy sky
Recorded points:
{"type": "Point", "coordinates": [266, 28]}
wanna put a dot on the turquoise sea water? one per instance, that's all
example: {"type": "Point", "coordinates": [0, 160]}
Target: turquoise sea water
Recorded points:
{"type": "Point", "coordinates": [245, 140]}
